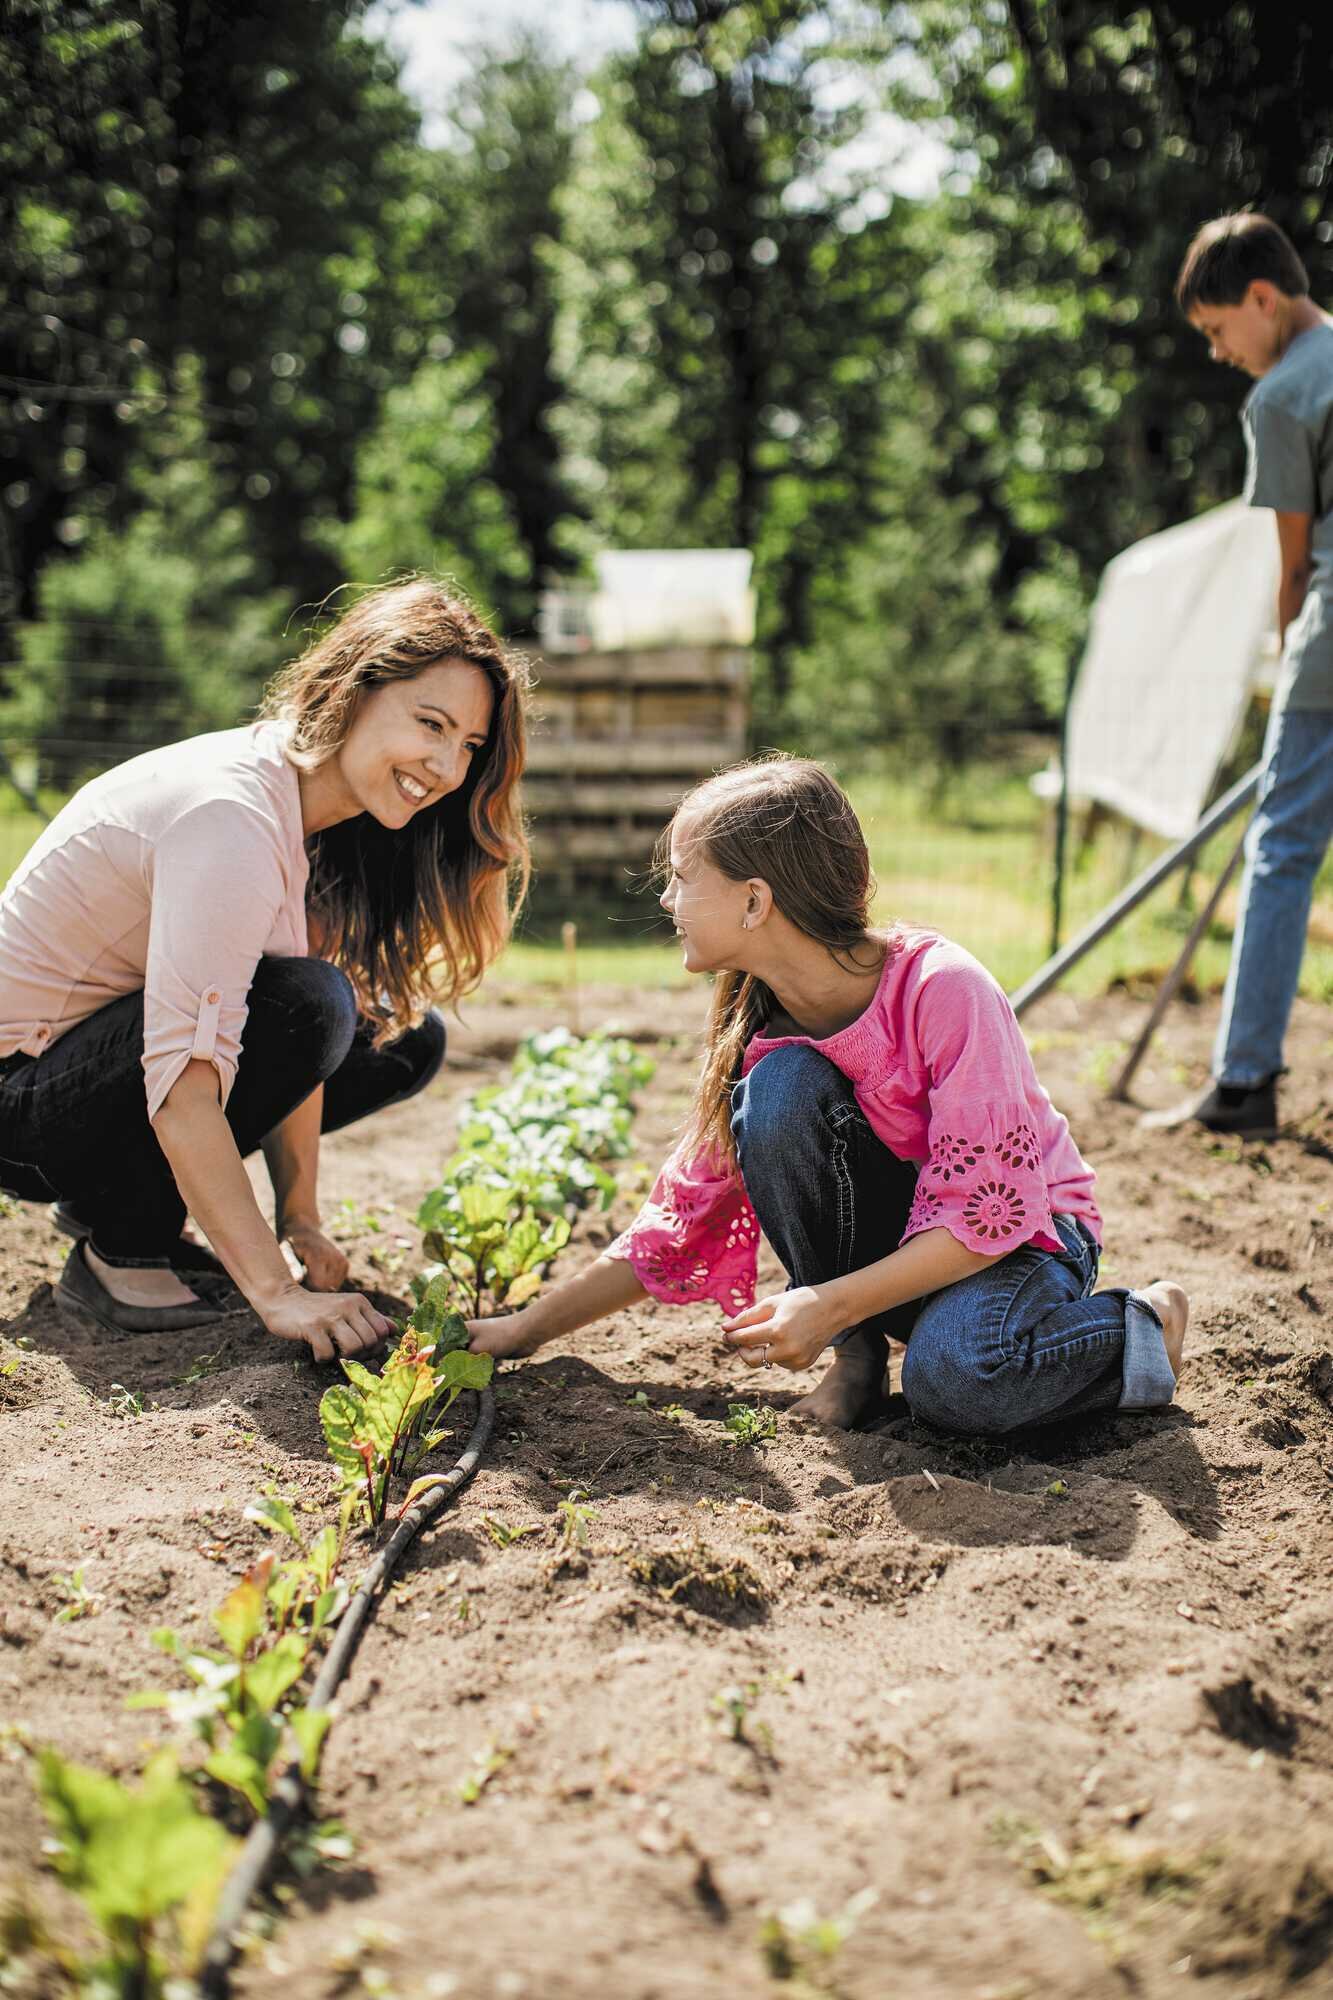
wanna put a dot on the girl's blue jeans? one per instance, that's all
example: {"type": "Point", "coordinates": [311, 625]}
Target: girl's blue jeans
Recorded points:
{"type": "Point", "coordinates": [74, 1120]}
{"type": "Point", "coordinates": [1025, 1341]}
{"type": "Point", "coordinates": [1286, 843]}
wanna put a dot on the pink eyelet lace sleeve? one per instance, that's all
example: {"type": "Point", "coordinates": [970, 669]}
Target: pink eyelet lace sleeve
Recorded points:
{"type": "Point", "coordinates": [696, 1236]}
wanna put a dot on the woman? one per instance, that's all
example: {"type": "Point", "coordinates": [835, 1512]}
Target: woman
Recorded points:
{"type": "Point", "coordinates": [867, 1099]}
{"type": "Point", "coordinates": [231, 943]}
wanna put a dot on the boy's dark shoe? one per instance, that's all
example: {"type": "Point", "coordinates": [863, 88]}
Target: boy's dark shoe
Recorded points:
{"type": "Point", "coordinates": [1246, 1111]}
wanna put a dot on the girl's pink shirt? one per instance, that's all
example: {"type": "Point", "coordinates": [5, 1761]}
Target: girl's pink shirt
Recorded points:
{"type": "Point", "coordinates": [940, 1069]}
{"type": "Point", "coordinates": [170, 876]}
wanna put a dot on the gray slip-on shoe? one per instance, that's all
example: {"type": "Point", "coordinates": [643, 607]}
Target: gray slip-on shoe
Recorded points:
{"type": "Point", "coordinates": [187, 1258]}
{"type": "Point", "coordinates": [78, 1290]}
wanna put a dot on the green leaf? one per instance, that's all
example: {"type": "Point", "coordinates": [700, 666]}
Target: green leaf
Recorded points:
{"type": "Point", "coordinates": [484, 1208]}
{"type": "Point", "coordinates": [342, 1412]}
{"type": "Point", "coordinates": [523, 1288]}
{"type": "Point", "coordinates": [325, 1551]}
{"type": "Point", "coordinates": [433, 1311]}
{"type": "Point", "coordinates": [310, 1727]}
{"type": "Point", "coordinates": [329, 1605]}
{"type": "Point", "coordinates": [464, 1370]}
{"type": "Point", "coordinates": [132, 1854]}
{"type": "Point", "coordinates": [361, 1377]}
{"type": "Point", "coordinates": [269, 1511]}
{"type": "Point", "coordinates": [240, 1618]}
{"type": "Point", "coordinates": [268, 1678]}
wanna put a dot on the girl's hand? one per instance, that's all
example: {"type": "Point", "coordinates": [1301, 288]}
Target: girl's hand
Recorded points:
{"type": "Point", "coordinates": [790, 1329]}
{"type": "Point", "coordinates": [324, 1264]}
{"type": "Point", "coordinates": [508, 1337]}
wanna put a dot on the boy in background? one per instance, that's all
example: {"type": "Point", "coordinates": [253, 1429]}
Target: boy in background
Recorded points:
{"type": "Point", "coordinates": [1244, 288]}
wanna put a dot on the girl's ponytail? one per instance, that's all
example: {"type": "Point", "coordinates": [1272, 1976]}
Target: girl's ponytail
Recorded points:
{"type": "Point", "coordinates": [741, 1006]}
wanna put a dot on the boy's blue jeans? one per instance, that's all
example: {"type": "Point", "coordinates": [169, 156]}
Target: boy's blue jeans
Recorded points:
{"type": "Point", "coordinates": [74, 1120]}
{"type": "Point", "coordinates": [1286, 843]}
{"type": "Point", "coordinates": [1023, 1342]}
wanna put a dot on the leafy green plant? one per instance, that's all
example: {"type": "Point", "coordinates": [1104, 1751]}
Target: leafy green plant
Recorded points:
{"type": "Point", "coordinates": [576, 1518]}
{"type": "Point", "coordinates": [80, 1602]}
{"type": "Point", "coordinates": [797, 1944]}
{"type": "Point", "coordinates": [748, 1425]}
{"type": "Point", "coordinates": [136, 1856]}
{"type": "Point", "coordinates": [492, 1253]}
{"type": "Point", "coordinates": [376, 1426]}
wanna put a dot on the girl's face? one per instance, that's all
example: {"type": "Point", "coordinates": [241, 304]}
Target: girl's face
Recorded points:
{"type": "Point", "coordinates": [708, 909]}
{"type": "Point", "coordinates": [414, 740]}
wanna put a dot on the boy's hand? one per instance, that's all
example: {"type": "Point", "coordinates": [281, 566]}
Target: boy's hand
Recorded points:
{"type": "Point", "coordinates": [791, 1329]}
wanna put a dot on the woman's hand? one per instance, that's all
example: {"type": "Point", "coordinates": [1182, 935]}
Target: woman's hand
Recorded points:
{"type": "Point", "coordinates": [331, 1323]}
{"type": "Point", "coordinates": [790, 1329]}
{"type": "Point", "coordinates": [509, 1336]}
{"type": "Point", "coordinates": [324, 1264]}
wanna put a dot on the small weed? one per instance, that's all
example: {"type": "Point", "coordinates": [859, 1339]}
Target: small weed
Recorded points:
{"type": "Point", "coordinates": [575, 1519]}
{"type": "Point", "coordinates": [1058, 1489]}
{"type": "Point", "coordinates": [487, 1764]}
{"type": "Point", "coordinates": [201, 1366]}
{"type": "Point", "coordinates": [8, 1206]}
{"type": "Point", "coordinates": [80, 1602]}
{"type": "Point", "coordinates": [503, 1535]}
{"type": "Point", "coordinates": [796, 1943]}
{"type": "Point", "coordinates": [748, 1425]}
{"type": "Point", "coordinates": [640, 1399]}
{"type": "Point", "coordinates": [123, 1402]}
{"type": "Point", "coordinates": [675, 1413]}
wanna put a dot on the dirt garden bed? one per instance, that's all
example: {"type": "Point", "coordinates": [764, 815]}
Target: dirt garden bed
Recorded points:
{"type": "Point", "coordinates": [1046, 1718]}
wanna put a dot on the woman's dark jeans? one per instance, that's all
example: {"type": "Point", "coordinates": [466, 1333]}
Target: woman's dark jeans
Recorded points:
{"type": "Point", "coordinates": [74, 1120]}
{"type": "Point", "coordinates": [1023, 1341]}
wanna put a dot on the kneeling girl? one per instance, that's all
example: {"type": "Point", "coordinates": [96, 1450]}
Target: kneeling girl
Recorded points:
{"type": "Point", "coordinates": [868, 1101]}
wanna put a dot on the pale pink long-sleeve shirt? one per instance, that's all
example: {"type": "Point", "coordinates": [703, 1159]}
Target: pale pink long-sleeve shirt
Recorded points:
{"type": "Point", "coordinates": [171, 875]}
{"type": "Point", "coordinates": [939, 1067]}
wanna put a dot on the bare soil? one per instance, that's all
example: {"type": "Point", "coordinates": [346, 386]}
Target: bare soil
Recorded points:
{"type": "Point", "coordinates": [1063, 1704]}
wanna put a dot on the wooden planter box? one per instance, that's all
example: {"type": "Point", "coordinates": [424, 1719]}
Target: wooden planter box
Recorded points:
{"type": "Point", "coordinates": [618, 739]}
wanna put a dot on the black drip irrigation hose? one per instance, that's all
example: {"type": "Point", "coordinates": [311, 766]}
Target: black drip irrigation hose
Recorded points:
{"type": "Point", "coordinates": [289, 1791]}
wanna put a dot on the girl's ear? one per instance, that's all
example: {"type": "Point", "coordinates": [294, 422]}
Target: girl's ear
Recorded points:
{"type": "Point", "coordinates": [758, 902]}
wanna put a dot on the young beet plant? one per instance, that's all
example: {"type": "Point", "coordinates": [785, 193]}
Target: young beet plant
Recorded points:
{"type": "Point", "coordinates": [378, 1426]}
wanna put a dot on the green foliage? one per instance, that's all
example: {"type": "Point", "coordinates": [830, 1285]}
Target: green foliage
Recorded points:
{"type": "Point", "coordinates": [135, 1856]}
{"type": "Point", "coordinates": [751, 1426]}
{"type": "Point", "coordinates": [377, 1426]}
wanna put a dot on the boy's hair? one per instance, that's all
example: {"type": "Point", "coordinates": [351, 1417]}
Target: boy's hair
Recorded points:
{"type": "Point", "coordinates": [1228, 255]}
{"type": "Point", "coordinates": [785, 820]}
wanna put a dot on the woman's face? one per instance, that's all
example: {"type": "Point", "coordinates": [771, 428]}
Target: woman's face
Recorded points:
{"type": "Point", "coordinates": [706, 906]}
{"type": "Point", "coordinates": [414, 740]}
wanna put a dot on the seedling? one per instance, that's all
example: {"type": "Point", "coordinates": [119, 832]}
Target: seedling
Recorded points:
{"type": "Point", "coordinates": [135, 1857]}
{"type": "Point", "coordinates": [749, 1425]}
{"type": "Point", "coordinates": [504, 1536]}
{"type": "Point", "coordinates": [797, 1943]}
{"type": "Point", "coordinates": [380, 1425]}
{"type": "Point", "coordinates": [675, 1413]}
{"type": "Point", "coordinates": [79, 1600]}
{"type": "Point", "coordinates": [494, 1255]}
{"type": "Point", "coordinates": [487, 1764]}
{"type": "Point", "coordinates": [123, 1402]}
{"type": "Point", "coordinates": [575, 1519]}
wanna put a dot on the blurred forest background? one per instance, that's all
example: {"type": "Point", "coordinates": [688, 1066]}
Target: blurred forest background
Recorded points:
{"type": "Point", "coordinates": [258, 339]}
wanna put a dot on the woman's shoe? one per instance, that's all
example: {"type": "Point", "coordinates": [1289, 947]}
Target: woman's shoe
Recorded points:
{"type": "Point", "coordinates": [187, 1258]}
{"type": "Point", "coordinates": [80, 1291]}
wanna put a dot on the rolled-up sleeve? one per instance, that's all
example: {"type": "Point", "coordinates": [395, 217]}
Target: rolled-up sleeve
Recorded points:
{"type": "Point", "coordinates": [218, 883]}
{"type": "Point", "coordinates": [696, 1236]}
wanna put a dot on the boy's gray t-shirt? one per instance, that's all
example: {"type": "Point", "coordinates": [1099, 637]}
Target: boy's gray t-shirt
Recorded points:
{"type": "Point", "coordinates": [1288, 423]}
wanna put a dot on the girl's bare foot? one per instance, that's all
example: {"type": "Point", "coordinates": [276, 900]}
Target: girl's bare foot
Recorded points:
{"type": "Point", "coordinates": [850, 1394]}
{"type": "Point", "coordinates": [1171, 1304]}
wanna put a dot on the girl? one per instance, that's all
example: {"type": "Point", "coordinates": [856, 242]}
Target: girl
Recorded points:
{"type": "Point", "coordinates": [161, 1014]}
{"type": "Point", "coordinates": [867, 1100]}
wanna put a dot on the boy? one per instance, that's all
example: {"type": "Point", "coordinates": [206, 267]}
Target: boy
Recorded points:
{"type": "Point", "coordinates": [1244, 288]}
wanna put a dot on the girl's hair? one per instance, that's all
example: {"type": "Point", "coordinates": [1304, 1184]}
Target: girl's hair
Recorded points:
{"type": "Point", "coordinates": [785, 820]}
{"type": "Point", "coordinates": [411, 912]}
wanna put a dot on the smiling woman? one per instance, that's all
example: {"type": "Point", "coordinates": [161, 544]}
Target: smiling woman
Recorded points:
{"type": "Point", "coordinates": [233, 943]}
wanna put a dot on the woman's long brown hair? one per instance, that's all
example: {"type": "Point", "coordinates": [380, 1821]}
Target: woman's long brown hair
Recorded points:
{"type": "Point", "coordinates": [416, 912]}
{"type": "Point", "coordinates": [785, 820]}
